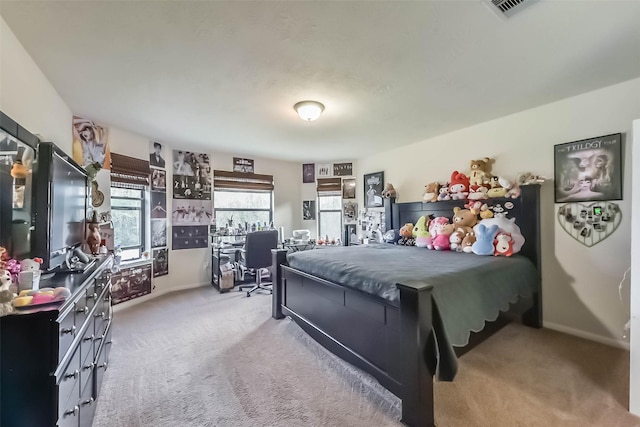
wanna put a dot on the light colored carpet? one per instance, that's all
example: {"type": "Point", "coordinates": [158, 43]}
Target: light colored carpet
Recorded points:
{"type": "Point", "coordinates": [199, 358]}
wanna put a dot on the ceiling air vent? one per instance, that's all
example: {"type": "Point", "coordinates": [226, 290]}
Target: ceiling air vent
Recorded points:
{"type": "Point", "coordinates": [506, 8]}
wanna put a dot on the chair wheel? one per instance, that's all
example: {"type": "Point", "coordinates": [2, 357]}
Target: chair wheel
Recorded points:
{"type": "Point", "coordinates": [248, 294]}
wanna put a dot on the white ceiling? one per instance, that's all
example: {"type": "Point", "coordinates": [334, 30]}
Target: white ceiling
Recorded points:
{"type": "Point", "coordinates": [224, 75]}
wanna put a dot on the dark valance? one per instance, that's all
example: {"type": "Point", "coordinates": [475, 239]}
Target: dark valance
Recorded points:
{"type": "Point", "coordinates": [223, 180]}
{"type": "Point", "coordinates": [129, 170]}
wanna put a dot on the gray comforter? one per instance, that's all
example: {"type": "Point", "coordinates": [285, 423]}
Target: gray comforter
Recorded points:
{"type": "Point", "coordinates": [467, 289]}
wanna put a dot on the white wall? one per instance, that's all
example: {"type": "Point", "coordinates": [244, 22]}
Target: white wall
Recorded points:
{"type": "Point", "coordinates": [634, 374]}
{"type": "Point", "coordinates": [580, 284]}
{"type": "Point", "coordinates": [29, 98]}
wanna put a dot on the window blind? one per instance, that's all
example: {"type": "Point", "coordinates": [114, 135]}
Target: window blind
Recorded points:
{"type": "Point", "coordinates": [129, 172]}
{"type": "Point", "coordinates": [329, 185]}
{"type": "Point", "coordinates": [224, 180]}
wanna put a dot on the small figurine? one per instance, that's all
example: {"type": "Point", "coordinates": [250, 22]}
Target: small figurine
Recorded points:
{"type": "Point", "coordinates": [93, 240]}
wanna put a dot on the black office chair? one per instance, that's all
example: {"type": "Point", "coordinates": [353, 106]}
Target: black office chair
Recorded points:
{"type": "Point", "coordinates": [256, 256]}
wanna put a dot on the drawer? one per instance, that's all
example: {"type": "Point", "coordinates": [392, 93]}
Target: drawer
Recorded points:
{"type": "Point", "coordinates": [86, 343]}
{"type": "Point", "coordinates": [66, 332]}
{"type": "Point", "coordinates": [69, 385]}
{"type": "Point", "coordinates": [70, 417]}
{"type": "Point", "coordinates": [81, 310]}
{"type": "Point", "coordinates": [87, 406]}
{"type": "Point", "coordinates": [91, 296]}
{"type": "Point", "coordinates": [102, 362]}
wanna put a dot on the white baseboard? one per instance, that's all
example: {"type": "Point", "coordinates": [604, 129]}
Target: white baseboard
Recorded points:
{"type": "Point", "coordinates": [155, 294]}
{"type": "Point", "coordinates": [587, 335]}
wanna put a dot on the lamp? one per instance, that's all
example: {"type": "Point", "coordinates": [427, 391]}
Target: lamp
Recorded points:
{"type": "Point", "coordinates": [309, 110]}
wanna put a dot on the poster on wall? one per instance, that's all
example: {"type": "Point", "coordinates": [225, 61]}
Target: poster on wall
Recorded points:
{"type": "Point", "coordinates": [189, 237]}
{"type": "Point", "coordinates": [323, 170]}
{"type": "Point", "coordinates": [342, 169]}
{"type": "Point", "coordinates": [90, 143]}
{"type": "Point", "coordinates": [160, 262]}
{"type": "Point", "coordinates": [309, 210]}
{"type": "Point", "coordinates": [589, 169]}
{"type": "Point", "coordinates": [308, 173]}
{"type": "Point", "coordinates": [373, 186]}
{"type": "Point", "coordinates": [158, 180]}
{"type": "Point", "coordinates": [158, 233]}
{"type": "Point", "coordinates": [349, 188]}
{"type": "Point", "coordinates": [158, 205]}
{"type": "Point", "coordinates": [242, 165]}
{"type": "Point", "coordinates": [191, 212]}
{"type": "Point", "coordinates": [350, 211]}
{"type": "Point", "coordinates": [130, 283]}
{"type": "Point", "coordinates": [156, 156]}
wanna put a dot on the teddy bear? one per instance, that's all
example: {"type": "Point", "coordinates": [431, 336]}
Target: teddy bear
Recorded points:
{"type": "Point", "coordinates": [388, 191]}
{"type": "Point", "coordinates": [444, 194]}
{"type": "Point", "coordinates": [480, 169]}
{"type": "Point", "coordinates": [458, 186]}
{"type": "Point", "coordinates": [467, 242]}
{"type": "Point", "coordinates": [455, 240]}
{"type": "Point", "coordinates": [465, 218]}
{"type": "Point", "coordinates": [431, 192]}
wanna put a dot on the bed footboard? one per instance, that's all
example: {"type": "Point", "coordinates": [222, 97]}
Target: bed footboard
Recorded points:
{"type": "Point", "coordinates": [388, 342]}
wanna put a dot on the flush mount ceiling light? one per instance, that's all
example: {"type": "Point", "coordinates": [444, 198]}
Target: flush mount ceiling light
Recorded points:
{"type": "Point", "coordinates": [309, 110]}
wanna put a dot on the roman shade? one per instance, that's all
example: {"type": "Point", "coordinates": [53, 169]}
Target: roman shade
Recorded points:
{"type": "Point", "coordinates": [129, 172]}
{"type": "Point", "coordinates": [325, 186]}
{"type": "Point", "coordinates": [224, 180]}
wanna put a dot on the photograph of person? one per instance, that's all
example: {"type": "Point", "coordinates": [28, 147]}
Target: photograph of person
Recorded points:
{"type": "Point", "coordinates": [158, 233]}
{"type": "Point", "coordinates": [155, 157]}
{"type": "Point", "coordinates": [160, 262]}
{"type": "Point", "coordinates": [90, 143]}
{"type": "Point", "coordinates": [158, 180]}
{"type": "Point", "coordinates": [158, 205]}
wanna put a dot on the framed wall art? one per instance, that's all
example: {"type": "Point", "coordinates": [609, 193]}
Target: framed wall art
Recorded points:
{"type": "Point", "coordinates": [589, 169]}
{"type": "Point", "coordinates": [373, 186]}
{"type": "Point", "coordinates": [308, 173]}
{"type": "Point", "coordinates": [349, 188]}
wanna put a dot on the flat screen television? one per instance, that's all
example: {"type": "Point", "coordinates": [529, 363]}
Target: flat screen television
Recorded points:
{"type": "Point", "coordinates": [61, 197]}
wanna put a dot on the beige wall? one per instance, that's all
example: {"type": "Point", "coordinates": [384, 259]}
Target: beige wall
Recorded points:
{"type": "Point", "coordinates": [634, 375]}
{"type": "Point", "coordinates": [580, 284]}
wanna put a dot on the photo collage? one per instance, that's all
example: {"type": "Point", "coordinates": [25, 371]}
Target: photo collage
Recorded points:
{"type": "Point", "coordinates": [158, 208]}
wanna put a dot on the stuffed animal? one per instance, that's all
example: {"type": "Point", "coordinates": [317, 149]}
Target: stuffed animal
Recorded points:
{"type": "Point", "coordinates": [420, 232]}
{"type": "Point", "coordinates": [507, 226]}
{"type": "Point", "coordinates": [485, 211]}
{"type": "Point", "coordinates": [388, 191]}
{"type": "Point", "coordinates": [444, 194]}
{"type": "Point", "coordinates": [455, 240]}
{"type": "Point", "coordinates": [512, 188]}
{"type": "Point", "coordinates": [480, 169]}
{"type": "Point", "coordinates": [30, 264]}
{"type": "Point", "coordinates": [477, 192]}
{"type": "Point", "coordinates": [503, 244]}
{"type": "Point", "coordinates": [406, 233]}
{"type": "Point", "coordinates": [93, 240]}
{"type": "Point", "coordinates": [440, 230]}
{"type": "Point", "coordinates": [465, 218]}
{"type": "Point", "coordinates": [431, 192]}
{"type": "Point", "coordinates": [484, 239]}
{"type": "Point", "coordinates": [5, 280]}
{"type": "Point", "coordinates": [467, 242]}
{"type": "Point", "coordinates": [458, 186]}
{"type": "Point", "coordinates": [497, 189]}
{"type": "Point", "coordinates": [528, 178]}
{"type": "Point", "coordinates": [6, 297]}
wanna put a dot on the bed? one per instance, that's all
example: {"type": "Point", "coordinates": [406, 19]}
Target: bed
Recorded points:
{"type": "Point", "coordinates": [408, 313]}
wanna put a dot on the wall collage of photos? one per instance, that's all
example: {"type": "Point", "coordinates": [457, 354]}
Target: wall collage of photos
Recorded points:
{"type": "Point", "coordinates": [160, 251]}
{"type": "Point", "coordinates": [192, 204]}
{"type": "Point", "coordinates": [312, 171]}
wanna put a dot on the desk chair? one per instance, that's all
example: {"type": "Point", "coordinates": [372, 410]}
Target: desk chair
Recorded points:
{"type": "Point", "coordinates": [256, 256]}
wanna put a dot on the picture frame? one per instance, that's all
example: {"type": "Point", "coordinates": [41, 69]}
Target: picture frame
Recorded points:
{"type": "Point", "coordinates": [308, 173]}
{"type": "Point", "coordinates": [350, 211]}
{"type": "Point", "coordinates": [324, 170]}
{"type": "Point", "coordinates": [343, 169]}
{"type": "Point", "coordinates": [309, 210]}
{"type": "Point", "coordinates": [243, 165]}
{"type": "Point", "coordinates": [373, 187]}
{"type": "Point", "coordinates": [349, 188]}
{"type": "Point", "coordinates": [588, 169]}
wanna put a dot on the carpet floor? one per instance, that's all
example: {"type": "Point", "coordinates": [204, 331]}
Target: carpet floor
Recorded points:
{"type": "Point", "coordinates": [199, 358]}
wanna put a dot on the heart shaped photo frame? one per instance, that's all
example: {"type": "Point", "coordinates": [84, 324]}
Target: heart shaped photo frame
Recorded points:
{"type": "Point", "coordinates": [590, 223]}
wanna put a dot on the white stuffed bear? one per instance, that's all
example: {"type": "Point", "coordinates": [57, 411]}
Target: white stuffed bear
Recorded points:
{"type": "Point", "coordinates": [5, 280]}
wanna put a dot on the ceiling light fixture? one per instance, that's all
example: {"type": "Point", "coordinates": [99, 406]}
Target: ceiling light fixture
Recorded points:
{"type": "Point", "coordinates": [309, 110]}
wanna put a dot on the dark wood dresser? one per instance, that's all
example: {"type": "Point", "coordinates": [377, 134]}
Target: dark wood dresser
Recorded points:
{"type": "Point", "coordinates": [52, 359]}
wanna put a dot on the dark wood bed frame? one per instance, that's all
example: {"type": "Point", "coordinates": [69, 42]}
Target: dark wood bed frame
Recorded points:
{"type": "Point", "coordinates": [389, 342]}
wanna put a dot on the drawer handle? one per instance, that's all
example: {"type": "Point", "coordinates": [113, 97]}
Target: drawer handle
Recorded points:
{"type": "Point", "coordinates": [84, 310]}
{"type": "Point", "coordinates": [73, 411]}
{"type": "Point", "coordinates": [98, 338]}
{"type": "Point", "coordinates": [73, 375]}
{"type": "Point", "coordinates": [93, 296]}
{"type": "Point", "coordinates": [89, 338]}
{"type": "Point", "coordinates": [101, 314]}
{"type": "Point", "coordinates": [71, 330]}
{"type": "Point", "coordinates": [88, 401]}
{"type": "Point", "coordinates": [103, 365]}
{"type": "Point", "coordinates": [89, 366]}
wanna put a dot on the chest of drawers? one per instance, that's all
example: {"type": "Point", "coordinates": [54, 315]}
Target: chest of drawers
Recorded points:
{"type": "Point", "coordinates": [52, 359]}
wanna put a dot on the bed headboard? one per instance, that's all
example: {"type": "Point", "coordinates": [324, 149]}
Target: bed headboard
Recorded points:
{"type": "Point", "coordinates": [526, 210]}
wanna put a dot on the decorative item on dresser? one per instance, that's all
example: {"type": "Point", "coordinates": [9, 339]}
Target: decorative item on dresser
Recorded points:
{"type": "Point", "coordinates": [53, 357]}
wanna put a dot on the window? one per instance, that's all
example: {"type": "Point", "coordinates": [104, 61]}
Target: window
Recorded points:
{"type": "Point", "coordinates": [128, 216]}
{"type": "Point", "coordinates": [329, 216]}
{"type": "Point", "coordinates": [233, 208]}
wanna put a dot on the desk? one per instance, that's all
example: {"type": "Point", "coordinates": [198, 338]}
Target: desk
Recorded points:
{"type": "Point", "coordinates": [224, 253]}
